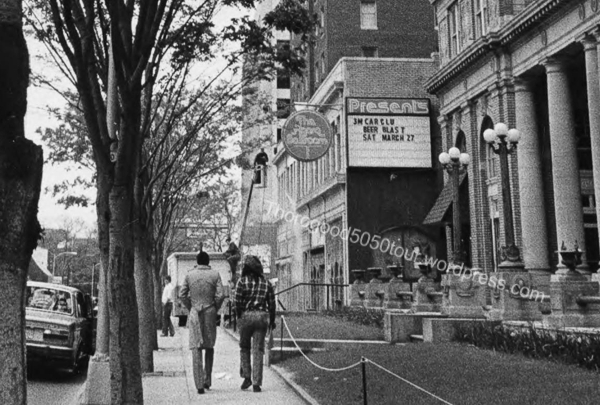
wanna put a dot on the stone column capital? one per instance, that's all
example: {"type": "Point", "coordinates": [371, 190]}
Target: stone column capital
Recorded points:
{"type": "Point", "coordinates": [554, 64]}
{"type": "Point", "coordinates": [443, 120]}
{"type": "Point", "coordinates": [466, 106]}
{"type": "Point", "coordinates": [589, 41]}
{"type": "Point", "coordinates": [522, 84]}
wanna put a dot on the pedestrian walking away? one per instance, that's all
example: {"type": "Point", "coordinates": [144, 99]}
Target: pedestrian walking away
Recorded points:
{"type": "Point", "coordinates": [202, 294]}
{"type": "Point", "coordinates": [167, 301]}
{"type": "Point", "coordinates": [232, 254]}
{"type": "Point", "coordinates": [255, 307]}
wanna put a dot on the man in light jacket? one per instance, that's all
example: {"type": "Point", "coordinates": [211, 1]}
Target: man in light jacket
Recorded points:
{"type": "Point", "coordinates": [202, 294]}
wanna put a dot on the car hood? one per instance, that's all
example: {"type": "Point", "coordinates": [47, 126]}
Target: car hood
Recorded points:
{"type": "Point", "coordinates": [49, 317]}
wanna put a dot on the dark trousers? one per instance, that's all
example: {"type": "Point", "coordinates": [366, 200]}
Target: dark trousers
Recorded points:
{"type": "Point", "coordinates": [167, 325]}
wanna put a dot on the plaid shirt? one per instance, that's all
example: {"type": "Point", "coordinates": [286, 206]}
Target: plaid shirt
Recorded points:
{"type": "Point", "coordinates": [254, 295]}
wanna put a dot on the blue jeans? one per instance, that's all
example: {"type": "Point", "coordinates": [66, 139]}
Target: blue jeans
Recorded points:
{"type": "Point", "coordinates": [253, 329]}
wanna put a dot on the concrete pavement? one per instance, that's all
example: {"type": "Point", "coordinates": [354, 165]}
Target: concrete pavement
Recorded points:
{"type": "Point", "coordinates": [173, 381]}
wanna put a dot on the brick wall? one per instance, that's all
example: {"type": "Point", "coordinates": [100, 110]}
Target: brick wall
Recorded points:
{"type": "Point", "coordinates": [405, 29]}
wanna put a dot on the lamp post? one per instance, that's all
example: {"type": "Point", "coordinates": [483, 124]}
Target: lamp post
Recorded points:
{"type": "Point", "coordinates": [57, 256]}
{"type": "Point", "coordinates": [455, 163]}
{"type": "Point", "coordinates": [504, 141]}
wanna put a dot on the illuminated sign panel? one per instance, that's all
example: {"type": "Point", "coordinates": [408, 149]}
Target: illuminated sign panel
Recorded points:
{"type": "Point", "coordinates": [388, 132]}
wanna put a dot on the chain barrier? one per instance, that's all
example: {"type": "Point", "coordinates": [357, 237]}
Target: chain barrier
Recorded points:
{"type": "Point", "coordinates": [406, 381]}
{"type": "Point", "coordinates": [309, 360]}
{"type": "Point", "coordinates": [362, 362]}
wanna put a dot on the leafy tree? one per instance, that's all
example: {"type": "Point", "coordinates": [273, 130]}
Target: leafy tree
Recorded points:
{"type": "Point", "coordinates": [20, 182]}
{"type": "Point", "coordinates": [137, 43]}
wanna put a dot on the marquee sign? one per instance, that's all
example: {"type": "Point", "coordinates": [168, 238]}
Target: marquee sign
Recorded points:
{"type": "Point", "coordinates": [388, 132]}
{"type": "Point", "coordinates": [306, 135]}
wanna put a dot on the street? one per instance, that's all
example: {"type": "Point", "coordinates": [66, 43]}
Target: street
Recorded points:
{"type": "Point", "coordinates": [52, 385]}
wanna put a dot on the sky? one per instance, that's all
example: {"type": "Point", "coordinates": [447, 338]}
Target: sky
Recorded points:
{"type": "Point", "coordinates": [51, 214]}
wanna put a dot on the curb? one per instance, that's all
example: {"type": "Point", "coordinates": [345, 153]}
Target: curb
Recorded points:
{"type": "Point", "coordinates": [284, 375]}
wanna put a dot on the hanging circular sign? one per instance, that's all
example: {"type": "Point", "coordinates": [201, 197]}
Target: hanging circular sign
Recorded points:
{"type": "Point", "coordinates": [306, 135]}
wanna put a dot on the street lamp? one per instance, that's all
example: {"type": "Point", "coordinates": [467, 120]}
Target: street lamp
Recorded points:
{"type": "Point", "coordinates": [504, 141]}
{"type": "Point", "coordinates": [57, 256]}
{"type": "Point", "coordinates": [455, 164]}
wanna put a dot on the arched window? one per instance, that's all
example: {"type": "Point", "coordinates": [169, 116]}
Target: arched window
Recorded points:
{"type": "Point", "coordinates": [492, 160]}
{"type": "Point", "coordinates": [461, 142]}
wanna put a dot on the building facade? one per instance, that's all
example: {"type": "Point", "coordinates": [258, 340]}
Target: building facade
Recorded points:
{"type": "Point", "coordinates": [260, 101]}
{"type": "Point", "coordinates": [364, 52]}
{"type": "Point", "coordinates": [363, 28]}
{"type": "Point", "coordinates": [362, 191]}
{"type": "Point", "coordinates": [532, 65]}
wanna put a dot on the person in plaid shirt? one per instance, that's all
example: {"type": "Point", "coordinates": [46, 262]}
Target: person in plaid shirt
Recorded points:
{"type": "Point", "coordinates": [255, 308]}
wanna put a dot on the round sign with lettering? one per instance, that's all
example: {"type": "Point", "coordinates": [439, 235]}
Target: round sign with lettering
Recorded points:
{"type": "Point", "coordinates": [306, 135]}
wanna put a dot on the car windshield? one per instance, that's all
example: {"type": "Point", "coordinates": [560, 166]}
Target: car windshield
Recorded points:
{"type": "Point", "coordinates": [49, 299]}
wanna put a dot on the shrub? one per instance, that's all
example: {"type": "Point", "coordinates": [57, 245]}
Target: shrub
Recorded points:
{"type": "Point", "coordinates": [558, 345]}
{"type": "Point", "coordinates": [359, 315]}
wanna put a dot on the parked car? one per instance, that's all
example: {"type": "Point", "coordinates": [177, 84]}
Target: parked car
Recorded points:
{"type": "Point", "coordinates": [58, 325]}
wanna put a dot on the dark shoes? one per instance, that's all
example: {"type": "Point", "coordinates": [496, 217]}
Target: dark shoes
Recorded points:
{"type": "Point", "coordinates": [247, 383]}
{"type": "Point", "coordinates": [206, 385]}
{"type": "Point", "coordinates": [201, 391]}
{"type": "Point", "coordinates": [256, 388]}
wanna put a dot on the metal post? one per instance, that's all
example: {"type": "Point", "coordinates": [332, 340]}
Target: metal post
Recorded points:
{"type": "Point", "coordinates": [281, 342]}
{"type": "Point", "coordinates": [455, 173]}
{"type": "Point", "coordinates": [364, 378]}
{"type": "Point", "coordinates": [230, 318]}
{"type": "Point", "coordinates": [507, 209]}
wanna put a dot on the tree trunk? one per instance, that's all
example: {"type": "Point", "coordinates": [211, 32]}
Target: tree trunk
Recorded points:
{"type": "Point", "coordinates": [103, 187]}
{"type": "Point", "coordinates": [126, 378]}
{"type": "Point", "coordinates": [145, 300]}
{"type": "Point", "coordinates": [20, 183]}
{"type": "Point", "coordinates": [157, 299]}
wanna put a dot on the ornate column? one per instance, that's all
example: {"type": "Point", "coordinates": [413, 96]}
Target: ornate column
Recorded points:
{"type": "Point", "coordinates": [565, 169]}
{"type": "Point", "coordinates": [593, 95]}
{"type": "Point", "coordinates": [533, 214]}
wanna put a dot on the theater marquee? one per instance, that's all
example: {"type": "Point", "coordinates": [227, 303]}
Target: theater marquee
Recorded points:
{"type": "Point", "coordinates": [388, 132]}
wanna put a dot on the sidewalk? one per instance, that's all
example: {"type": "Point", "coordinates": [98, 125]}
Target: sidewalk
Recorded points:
{"type": "Point", "coordinates": [173, 381]}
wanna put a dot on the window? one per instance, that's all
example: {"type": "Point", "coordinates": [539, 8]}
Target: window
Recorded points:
{"type": "Point", "coordinates": [481, 18]}
{"type": "Point", "coordinates": [278, 134]}
{"type": "Point", "coordinates": [283, 79]}
{"type": "Point", "coordinates": [323, 64]}
{"type": "Point", "coordinates": [369, 51]}
{"type": "Point", "coordinates": [454, 25]}
{"type": "Point", "coordinates": [283, 108]}
{"type": "Point", "coordinates": [492, 163]}
{"type": "Point", "coordinates": [368, 15]}
{"type": "Point", "coordinates": [317, 73]}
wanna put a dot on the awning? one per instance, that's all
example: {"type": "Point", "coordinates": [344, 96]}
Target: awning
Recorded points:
{"type": "Point", "coordinates": [443, 202]}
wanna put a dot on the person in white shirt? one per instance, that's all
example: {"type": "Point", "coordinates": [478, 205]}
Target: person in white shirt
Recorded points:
{"type": "Point", "coordinates": [167, 301]}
